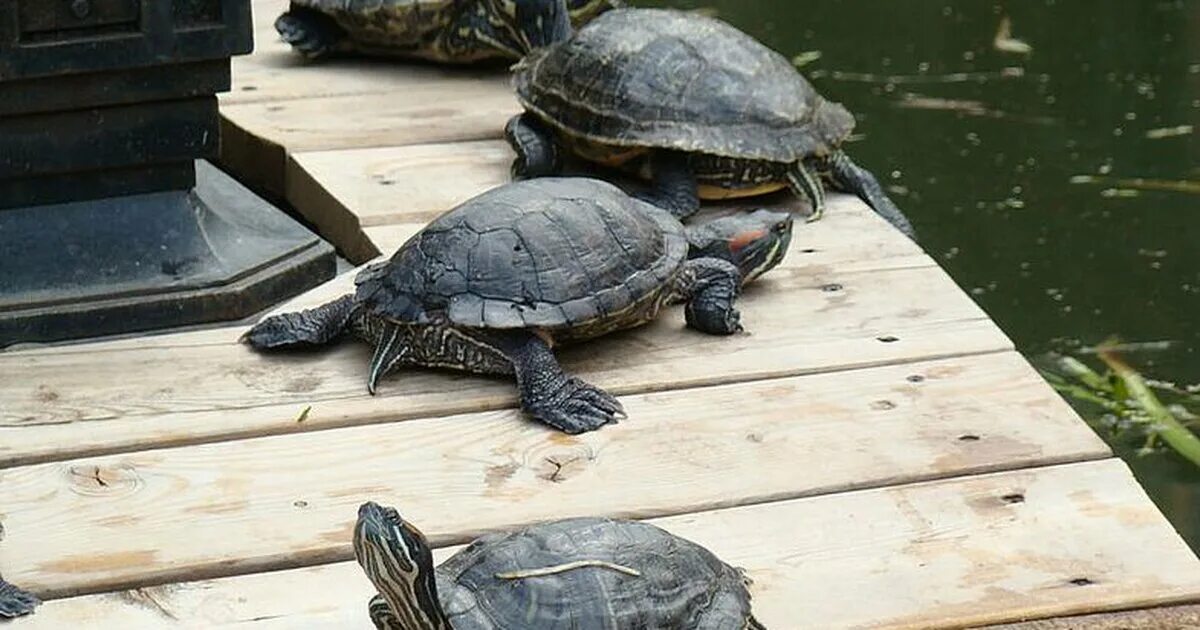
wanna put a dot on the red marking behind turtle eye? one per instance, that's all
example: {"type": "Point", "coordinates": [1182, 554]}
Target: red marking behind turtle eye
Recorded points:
{"type": "Point", "coordinates": [745, 238]}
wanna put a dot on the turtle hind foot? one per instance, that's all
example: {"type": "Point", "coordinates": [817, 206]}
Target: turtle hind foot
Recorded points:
{"type": "Point", "coordinates": [548, 394]}
{"type": "Point", "coordinates": [575, 407]}
{"type": "Point", "coordinates": [857, 180]}
{"type": "Point", "coordinates": [311, 327]}
{"type": "Point", "coordinates": [310, 33]}
{"type": "Point", "coordinates": [16, 602]}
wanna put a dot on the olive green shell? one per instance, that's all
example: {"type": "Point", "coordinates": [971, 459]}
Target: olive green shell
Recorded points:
{"type": "Point", "coordinates": [387, 23]}
{"type": "Point", "coordinates": [680, 585]}
{"type": "Point", "coordinates": [675, 80]}
{"type": "Point", "coordinates": [546, 253]}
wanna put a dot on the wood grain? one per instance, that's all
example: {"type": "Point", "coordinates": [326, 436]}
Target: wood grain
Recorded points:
{"type": "Point", "coordinates": [848, 238]}
{"type": "Point", "coordinates": [235, 506]}
{"type": "Point", "coordinates": [63, 403]}
{"type": "Point", "coordinates": [930, 555]}
{"type": "Point", "coordinates": [347, 194]}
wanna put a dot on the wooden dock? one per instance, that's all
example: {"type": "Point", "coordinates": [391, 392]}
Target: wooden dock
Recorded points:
{"type": "Point", "coordinates": [874, 452]}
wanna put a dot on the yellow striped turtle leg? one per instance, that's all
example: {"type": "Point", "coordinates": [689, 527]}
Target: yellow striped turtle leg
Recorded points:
{"type": "Point", "coordinates": [382, 615]}
{"type": "Point", "coordinates": [805, 183]}
{"type": "Point", "coordinates": [855, 179]}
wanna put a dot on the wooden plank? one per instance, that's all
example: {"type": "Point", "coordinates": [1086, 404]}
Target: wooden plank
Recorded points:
{"type": "Point", "coordinates": [349, 193]}
{"type": "Point", "coordinates": [1160, 618]}
{"type": "Point", "coordinates": [274, 72]}
{"type": "Point", "coordinates": [63, 403]}
{"type": "Point", "coordinates": [280, 104]}
{"type": "Point", "coordinates": [447, 109]}
{"type": "Point", "coordinates": [942, 554]}
{"type": "Point", "coordinates": [169, 514]}
{"type": "Point", "coordinates": [849, 238]}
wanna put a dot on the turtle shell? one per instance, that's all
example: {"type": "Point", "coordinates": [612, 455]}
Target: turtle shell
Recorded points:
{"type": "Point", "coordinates": [546, 253]}
{"type": "Point", "coordinates": [386, 23]}
{"type": "Point", "coordinates": [675, 80]}
{"type": "Point", "coordinates": [679, 583]}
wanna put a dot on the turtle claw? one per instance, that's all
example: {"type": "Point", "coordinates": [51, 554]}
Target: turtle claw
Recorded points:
{"type": "Point", "coordinates": [578, 407]}
{"type": "Point", "coordinates": [15, 602]}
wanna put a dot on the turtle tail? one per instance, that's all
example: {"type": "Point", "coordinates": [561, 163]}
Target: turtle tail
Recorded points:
{"type": "Point", "coordinates": [754, 624]}
{"type": "Point", "coordinates": [311, 327]}
{"type": "Point", "coordinates": [855, 179]}
{"type": "Point", "coordinates": [311, 33]}
{"type": "Point", "coordinates": [15, 602]}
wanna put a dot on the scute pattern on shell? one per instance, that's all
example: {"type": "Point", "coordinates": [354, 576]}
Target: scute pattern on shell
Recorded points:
{"type": "Point", "coordinates": [669, 79]}
{"type": "Point", "coordinates": [386, 23]}
{"type": "Point", "coordinates": [544, 253]}
{"type": "Point", "coordinates": [682, 585]}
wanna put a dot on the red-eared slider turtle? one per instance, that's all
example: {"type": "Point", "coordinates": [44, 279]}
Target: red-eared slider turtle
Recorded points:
{"type": "Point", "coordinates": [448, 31]}
{"type": "Point", "coordinates": [579, 573]}
{"type": "Point", "coordinates": [15, 602]}
{"type": "Point", "coordinates": [493, 285]}
{"type": "Point", "coordinates": [692, 103]}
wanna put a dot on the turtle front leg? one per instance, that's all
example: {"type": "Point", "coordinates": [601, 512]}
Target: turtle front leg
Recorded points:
{"type": "Point", "coordinates": [547, 393]}
{"type": "Point", "coordinates": [709, 286]}
{"type": "Point", "coordinates": [537, 153]}
{"type": "Point", "coordinates": [807, 185]}
{"type": "Point", "coordinates": [855, 179]}
{"type": "Point", "coordinates": [311, 33]}
{"type": "Point", "coordinates": [675, 187]}
{"type": "Point", "coordinates": [16, 602]}
{"type": "Point", "coordinates": [382, 615]}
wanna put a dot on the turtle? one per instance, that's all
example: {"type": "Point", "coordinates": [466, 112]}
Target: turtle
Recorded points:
{"type": "Point", "coordinates": [585, 573]}
{"type": "Point", "coordinates": [445, 31]}
{"type": "Point", "coordinates": [693, 104]}
{"type": "Point", "coordinates": [493, 285]}
{"type": "Point", "coordinates": [14, 601]}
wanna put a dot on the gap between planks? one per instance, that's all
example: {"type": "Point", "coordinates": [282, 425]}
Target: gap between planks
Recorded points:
{"type": "Point", "coordinates": [166, 515]}
{"type": "Point", "coordinates": [847, 240]}
{"type": "Point", "coordinates": [930, 555]}
{"type": "Point", "coordinates": [65, 403]}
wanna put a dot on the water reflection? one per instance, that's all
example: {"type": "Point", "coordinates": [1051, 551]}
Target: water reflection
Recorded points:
{"type": "Point", "coordinates": [1056, 178]}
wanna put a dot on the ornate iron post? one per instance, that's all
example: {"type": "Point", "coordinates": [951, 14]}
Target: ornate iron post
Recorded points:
{"type": "Point", "coordinates": [110, 219]}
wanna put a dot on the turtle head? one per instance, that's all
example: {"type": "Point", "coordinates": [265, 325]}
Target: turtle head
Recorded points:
{"type": "Point", "coordinates": [755, 242]}
{"type": "Point", "coordinates": [397, 559]}
{"type": "Point", "coordinates": [526, 25]}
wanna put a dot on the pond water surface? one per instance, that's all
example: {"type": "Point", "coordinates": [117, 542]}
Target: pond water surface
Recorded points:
{"type": "Point", "coordinates": [1053, 174]}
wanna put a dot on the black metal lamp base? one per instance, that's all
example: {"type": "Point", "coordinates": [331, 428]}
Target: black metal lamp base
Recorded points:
{"type": "Point", "coordinates": [152, 260]}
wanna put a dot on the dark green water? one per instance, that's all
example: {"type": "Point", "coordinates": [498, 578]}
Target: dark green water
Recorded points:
{"type": "Point", "coordinates": [980, 147]}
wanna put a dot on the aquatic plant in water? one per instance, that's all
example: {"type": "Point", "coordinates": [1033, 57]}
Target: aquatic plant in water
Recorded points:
{"type": "Point", "coordinates": [1131, 402]}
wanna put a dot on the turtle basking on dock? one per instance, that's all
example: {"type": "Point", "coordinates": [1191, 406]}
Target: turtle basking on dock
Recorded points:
{"type": "Point", "coordinates": [581, 573]}
{"type": "Point", "coordinates": [15, 602]}
{"type": "Point", "coordinates": [446, 31]}
{"type": "Point", "coordinates": [493, 285]}
{"type": "Point", "coordinates": [690, 102]}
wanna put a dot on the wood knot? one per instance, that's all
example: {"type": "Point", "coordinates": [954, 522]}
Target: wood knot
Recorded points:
{"type": "Point", "coordinates": [107, 481]}
{"type": "Point", "coordinates": [560, 467]}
